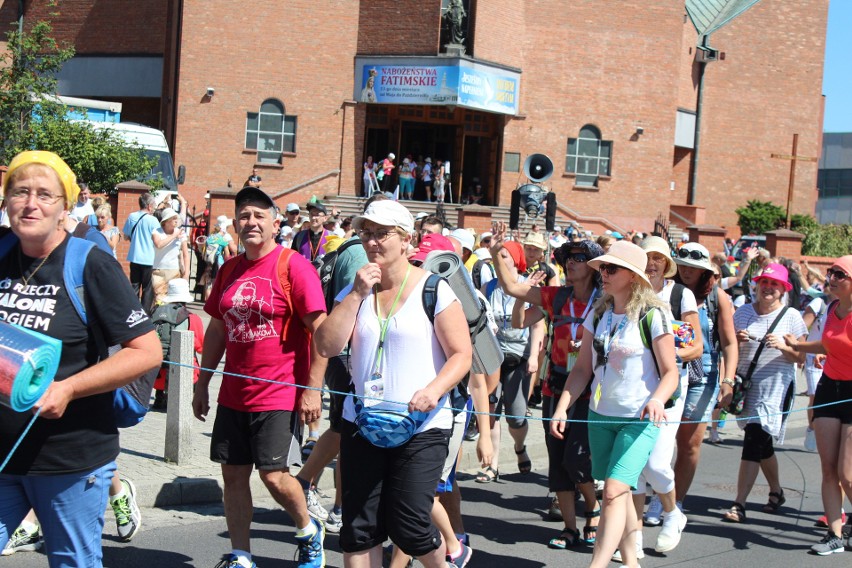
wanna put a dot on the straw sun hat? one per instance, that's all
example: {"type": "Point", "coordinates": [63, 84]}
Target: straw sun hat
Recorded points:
{"type": "Point", "coordinates": [627, 255]}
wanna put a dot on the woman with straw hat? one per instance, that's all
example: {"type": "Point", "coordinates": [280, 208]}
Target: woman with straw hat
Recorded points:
{"type": "Point", "coordinates": [770, 364]}
{"type": "Point", "coordinates": [64, 467]}
{"type": "Point", "coordinates": [628, 392]}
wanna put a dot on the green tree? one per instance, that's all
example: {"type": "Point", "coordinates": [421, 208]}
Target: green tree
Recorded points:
{"type": "Point", "coordinates": [32, 117]}
{"type": "Point", "coordinates": [758, 217]}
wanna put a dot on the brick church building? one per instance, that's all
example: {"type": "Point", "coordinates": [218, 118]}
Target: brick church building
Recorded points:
{"type": "Point", "coordinates": [680, 109]}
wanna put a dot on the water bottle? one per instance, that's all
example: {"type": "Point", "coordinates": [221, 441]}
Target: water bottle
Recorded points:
{"type": "Point", "coordinates": [723, 415]}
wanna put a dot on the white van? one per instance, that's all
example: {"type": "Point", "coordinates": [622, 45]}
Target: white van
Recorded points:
{"type": "Point", "coordinates": [154, 143]}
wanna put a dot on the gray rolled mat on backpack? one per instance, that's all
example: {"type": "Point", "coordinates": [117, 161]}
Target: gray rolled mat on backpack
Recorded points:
{"type": "Point", "coordinates": [487, 355]}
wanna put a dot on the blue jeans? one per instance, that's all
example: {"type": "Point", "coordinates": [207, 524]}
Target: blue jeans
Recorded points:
{"type": "Point", "coordinates": [70, 510]}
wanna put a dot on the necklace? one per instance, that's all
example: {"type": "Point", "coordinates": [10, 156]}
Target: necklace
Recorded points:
{"type": "Point", "coordinates": [26, 280]}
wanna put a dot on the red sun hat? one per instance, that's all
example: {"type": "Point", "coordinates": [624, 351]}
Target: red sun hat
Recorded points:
{"type": "Point", "coordinates": [430, 242]}
{"type": "Point", "coordinates": [516, 251]}
{"type": "Point", "coordinates": [777, 272]}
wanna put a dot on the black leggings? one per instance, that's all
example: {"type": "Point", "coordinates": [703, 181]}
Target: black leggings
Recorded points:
{"type": "Point", "coordinates": [570, 460]}
{"type": "Point", "coordinates": [757, 444]}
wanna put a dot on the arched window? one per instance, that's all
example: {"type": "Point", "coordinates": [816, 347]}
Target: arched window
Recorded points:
{"type": "Point", "coordinates": [588, 156]}
{"type": "Point", "coordinates": [270, 132]}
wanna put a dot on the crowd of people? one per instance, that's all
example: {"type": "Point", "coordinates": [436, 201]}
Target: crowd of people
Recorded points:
{"type": "Point", "coordinates": [634, 344]}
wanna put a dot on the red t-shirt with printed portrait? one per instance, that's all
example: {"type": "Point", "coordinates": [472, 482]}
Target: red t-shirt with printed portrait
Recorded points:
{"type": "Point", "coordinates": [562, 335]}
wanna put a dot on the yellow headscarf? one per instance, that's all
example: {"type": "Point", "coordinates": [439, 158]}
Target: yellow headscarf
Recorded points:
{"type": "Point", "coordinates": [54, 162]}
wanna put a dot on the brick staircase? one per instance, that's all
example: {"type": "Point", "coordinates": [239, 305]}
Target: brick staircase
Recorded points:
{"type": "Point", "coordinates": [350, 206]}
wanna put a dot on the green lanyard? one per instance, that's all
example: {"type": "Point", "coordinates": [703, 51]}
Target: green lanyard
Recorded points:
{"type": "Point", "coordinates": [383, 324]}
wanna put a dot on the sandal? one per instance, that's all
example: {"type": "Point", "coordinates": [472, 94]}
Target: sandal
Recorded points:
{"type": "Point", "coordinates": [773, 506]}
{"type": "Point", "coordinates": [736, 514]}
{"type": "Point", "coordinates": [568, 538]}
{"type": "Point", "coordinates": [487, 475]}
{"type": "Point", "coordinates": [590, 532]}
{"type": "Point", "coordinates": [524, 465]}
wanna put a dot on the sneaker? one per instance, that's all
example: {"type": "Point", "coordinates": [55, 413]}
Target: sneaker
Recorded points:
{"type": "Point", "coordinates": [472, 432]}
{"type": "Point", "coordinates": [315, 508]}
{"type": "Point", "coordinates": [673, 525]}
{"type": "Point", "coordinates": [230, 561]}
{"type": "Point", "coordinates": [308, 448]}
{"type": "Point", "coordinates": [333, 522]}
{"type": "Point", "coordinates": [640, 552]}
{"type": "Point", "coordinates": [715, 438]}
{"type": "Point", "coordinates": [463, 557]}
{"type": "Point", "coordinates": [128, 518]}
{"type": "Point", "coordinates": [823, 521]}
{"type": "Point", "coordinates": [810, 440]}
{"type": "Point", "coordinates": [830, 544]}
{"type": "Point", "coordinates": [554, 513]}
{"type": "Point", "coordinates": [311, 553]}
{"type": "Point", "coordinates": [653, 518]}
{"type": "Point", "coordinates": [23, 541]}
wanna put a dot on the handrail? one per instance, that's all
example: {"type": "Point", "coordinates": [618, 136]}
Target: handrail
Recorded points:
{"type": "Point", "coordinates": [686, 222]}
{"type": "Point", "coordinates": [305, 184]}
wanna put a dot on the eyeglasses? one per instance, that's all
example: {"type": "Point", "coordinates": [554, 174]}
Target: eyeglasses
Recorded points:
{"type": "Point", "coordinates": [836, 274]}
{"type": "Point", "coordinates": [610, 269]}
{"type": "Point", "coordinates": [693, 254]}
{"type": "Point", "coordinates": [44, 196]}
{"type": "Point", "coordinates": [577, 257]}
{"type": "Point", "coordinates": [380, 236]}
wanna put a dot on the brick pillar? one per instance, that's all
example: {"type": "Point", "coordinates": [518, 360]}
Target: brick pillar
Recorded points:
{"type": "Point", "coordinates": [710, 236]}
{"type": "Point", "coordinates": [475, 217]}
{"type": "Point", "coordinates": [222, 203]}
{"type": "Point", "coordinates": [3, 170]}
{"type": "Point", "coordinates": [786, 243]}
{"type": "Point", "coordinates": [125, 202]}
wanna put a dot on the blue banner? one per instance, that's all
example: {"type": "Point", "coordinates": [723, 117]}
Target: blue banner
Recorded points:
{"type": "Point", "coordinates": [468, 85]}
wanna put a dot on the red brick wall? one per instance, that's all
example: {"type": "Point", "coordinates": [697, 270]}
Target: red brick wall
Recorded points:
{"type": "Point", "coordinates": [614, 65]}
{"type": "Point", "coordinates": [500, 31]}
{"type": "Point", "coordinates": [299, 52]}
{"type": "Point", "coordinates": [755, 100]}
{"type": "Point", "coordinates": [391, 27]}
{"type": "Point", "coordinates": [106, 27]}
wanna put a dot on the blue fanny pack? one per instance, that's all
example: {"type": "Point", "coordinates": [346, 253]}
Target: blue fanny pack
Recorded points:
{"type": "Point", "coordinates": [387, 428]}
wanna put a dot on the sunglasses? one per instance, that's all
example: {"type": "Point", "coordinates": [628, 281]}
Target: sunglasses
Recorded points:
{"type": "Point", "coordinates": [610, 269]}
{"type": "Point", "coordinates": [836, 274]}
{"type": "Point", "coordinates": [693, 254]}
{"type": "Point", "coordinates": [577, 257]}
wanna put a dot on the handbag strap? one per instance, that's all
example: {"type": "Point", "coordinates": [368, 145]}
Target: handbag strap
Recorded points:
{"type": "Point", "coordinates": [760, 347]}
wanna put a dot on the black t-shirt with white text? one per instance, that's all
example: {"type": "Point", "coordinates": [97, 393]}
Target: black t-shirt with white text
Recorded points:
{"type": "Point", "coordinates": [86, 437]}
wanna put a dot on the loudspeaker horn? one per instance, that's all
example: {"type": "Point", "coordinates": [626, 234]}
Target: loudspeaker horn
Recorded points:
{"type": "Point", "coordinates": [538, 168]}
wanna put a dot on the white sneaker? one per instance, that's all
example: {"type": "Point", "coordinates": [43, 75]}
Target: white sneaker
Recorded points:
{"type": "Point", "coordinates": [715, 438]}
{"type": "Point", "coordinates": [315, 508]}
{"type": "Point", "coordinates": [640, 552]}
{"type": "Point", "coordinates": [673, 525]}
{"type": "Point", "coordinates": [810, 440]}
{"type": "Point", "coordinates": [333, 523]}
{"type": "Point", "coordinates": [653, 518]}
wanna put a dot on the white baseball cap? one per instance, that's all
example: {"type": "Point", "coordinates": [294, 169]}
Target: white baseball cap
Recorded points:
{"type": "Point", "coordinates": [465, 237]}
{"type": "Point", "coordinates": [387, 213]}
{"type": "Point", "coordinates": [293, 208]}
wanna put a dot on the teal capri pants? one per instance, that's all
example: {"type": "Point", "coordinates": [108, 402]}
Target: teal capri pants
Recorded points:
{"type": "Point", "coordinates": [620, 451]}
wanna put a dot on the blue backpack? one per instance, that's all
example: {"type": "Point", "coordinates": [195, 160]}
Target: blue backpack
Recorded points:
{"type": "Point", "coordinates": [130, 402]}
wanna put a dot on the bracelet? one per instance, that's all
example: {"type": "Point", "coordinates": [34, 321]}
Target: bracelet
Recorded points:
{"type": "Point", "coordinates": [658, 401]}
{"type": "Point", "coordinates": [729, 382]}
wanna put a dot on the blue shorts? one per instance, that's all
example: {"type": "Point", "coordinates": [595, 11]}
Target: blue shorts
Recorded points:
{"type": "Point", "coordinates": [70, 509]}
{"type": "Point", "coordinates": [701, 400]}
{"type": "Point", "coordinates": [620, 451]}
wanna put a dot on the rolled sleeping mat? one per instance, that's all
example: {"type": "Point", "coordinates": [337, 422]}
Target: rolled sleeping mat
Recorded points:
{"type": "Point", "coordinates": [28, 362]}
{"type": "Point", "coordinates": [487, 355]}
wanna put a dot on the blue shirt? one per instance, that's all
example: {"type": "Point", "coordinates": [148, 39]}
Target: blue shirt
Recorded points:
{"type": "Point", "coordinates": [141, 244]}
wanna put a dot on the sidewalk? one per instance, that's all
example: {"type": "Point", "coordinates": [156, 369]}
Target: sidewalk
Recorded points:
{"type": "Point", "coordinates": [163, 484]}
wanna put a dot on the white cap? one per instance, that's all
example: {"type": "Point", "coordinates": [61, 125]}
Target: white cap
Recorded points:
{"type": "Point", "coordinates": [286, 230]}
{"type": "Point", "coordinates": [421, 215]}
{"type": "Point", "coordinates": [178, 291]}
{"type": "Point", "coordinates": [387, 213]}
{"type": "Point", "coordinates": [483, 253]}
{"type": "Point", "coordinates": [293, 207]}
{"type": "Point", "coordinates": [223, 221]}
{"type": "Point", "coordinates": [167, 214]}
{"type": "Point", "coordinates": [465, 237]}
{"type": "Point", "coordinates": [485, 235]}
{"type": "Point", "coordinates": [392, 156]}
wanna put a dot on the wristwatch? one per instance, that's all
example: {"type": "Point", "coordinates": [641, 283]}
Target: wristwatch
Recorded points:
{"type": "Point", "coordinates": [729, 382]}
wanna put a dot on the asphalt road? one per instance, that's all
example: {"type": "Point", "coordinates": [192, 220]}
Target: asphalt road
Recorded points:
{"type": "Point", "coordinates": [508, 529]}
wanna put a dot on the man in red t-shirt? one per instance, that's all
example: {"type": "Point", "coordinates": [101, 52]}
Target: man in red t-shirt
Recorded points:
{"type": "Point", "coordinates": [264, 329]}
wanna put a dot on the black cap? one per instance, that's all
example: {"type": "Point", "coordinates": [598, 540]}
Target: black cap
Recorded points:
{"type": "Point", "coordinates": [318, 206]}
{"type": "Point", "coordinates": [249, 193]}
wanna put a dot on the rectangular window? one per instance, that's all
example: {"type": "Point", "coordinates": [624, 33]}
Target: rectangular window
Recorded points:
{"type": "Point", "coordinates": [511, 162]}
{"type": "Point", "coordinates": [588, 159]}
{"type": "Point", "coordinates": [270, 133]}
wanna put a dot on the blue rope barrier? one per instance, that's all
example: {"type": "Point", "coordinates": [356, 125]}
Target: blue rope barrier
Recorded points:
{"type": "Point", "coordinates": [729, 417]}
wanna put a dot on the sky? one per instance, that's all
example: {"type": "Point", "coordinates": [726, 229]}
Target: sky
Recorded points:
{"type": "Point", "coordinates": [837, 75]}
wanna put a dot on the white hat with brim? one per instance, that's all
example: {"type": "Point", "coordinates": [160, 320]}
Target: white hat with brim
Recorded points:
{"type": "Point", "coordinates": [703, 263]}
{"type": "Point", "coordinates": [482, 253]}
{"type": "Point", "coordinates": [178, 291]}
{"type": "Point", "coordinates": [387, 213]}
{"type": "Point", "coordinates": [659, 245]}
{"type": "Point", "coordinates": [465, 237]}
{"type": "Point", "coordinates": [624, 254]}
{"type": "Point", "coordinates": [167, 214]}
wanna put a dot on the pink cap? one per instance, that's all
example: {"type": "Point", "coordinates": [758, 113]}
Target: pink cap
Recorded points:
{"type": "Point", "coordinates": [430, 242]}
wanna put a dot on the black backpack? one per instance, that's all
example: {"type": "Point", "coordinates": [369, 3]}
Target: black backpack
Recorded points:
{"type": "Point", "coordinates": [476, 273]}
{"type": "Point", "coordinates": [167, 318]}
{"type": "Point", "coordinates": [325, 268]}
